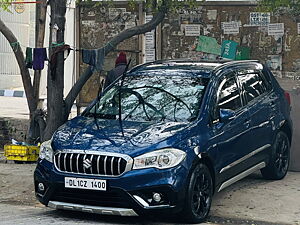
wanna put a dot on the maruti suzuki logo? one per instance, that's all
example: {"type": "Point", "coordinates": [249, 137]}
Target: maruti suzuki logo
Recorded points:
{"type": "Point", "coordinates": [87, 163]}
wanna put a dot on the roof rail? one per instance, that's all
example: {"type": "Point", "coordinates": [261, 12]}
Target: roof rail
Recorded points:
{"type": "Point", "coordinates": [235, 62]}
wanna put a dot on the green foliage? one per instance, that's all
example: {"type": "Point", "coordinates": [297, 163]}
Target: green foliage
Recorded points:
{"type": "Point", "coordinates": [150, 5]}
{"type": "Point", "coordinates": [292, 6]}
{"type": "Point", "coordinates": [5, 5]}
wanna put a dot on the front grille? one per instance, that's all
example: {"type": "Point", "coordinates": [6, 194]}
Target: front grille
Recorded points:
{"type": "Point", "coordinates": [93, 164]}
{"type": "Point", "coordinates": [112, 198]}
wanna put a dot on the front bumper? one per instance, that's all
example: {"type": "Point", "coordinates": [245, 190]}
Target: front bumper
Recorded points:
{"type": "Point", "coordinates": [130, 193]}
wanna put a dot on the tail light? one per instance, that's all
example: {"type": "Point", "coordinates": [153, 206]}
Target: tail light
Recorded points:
{"type": "Point", "coordinates": [288, 97]}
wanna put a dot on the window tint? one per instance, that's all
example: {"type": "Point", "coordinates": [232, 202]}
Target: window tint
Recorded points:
{"type": "Point", "coordinates": [229, 95]}
{"type": "Point", "coordinates": [253, 85]}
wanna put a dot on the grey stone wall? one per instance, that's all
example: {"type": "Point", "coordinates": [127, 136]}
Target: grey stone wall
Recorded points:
{"type": "Point", "coordinates": [12, 128]}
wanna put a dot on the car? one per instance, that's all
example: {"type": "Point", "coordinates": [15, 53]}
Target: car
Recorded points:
{"type": "Point", "coordinates": [165, 137]}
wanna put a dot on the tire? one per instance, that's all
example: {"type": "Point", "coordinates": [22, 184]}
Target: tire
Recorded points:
{"type": "Point", "coordinates": [199, 195]}
{"type": "Point", "coordinates": [279, 159]}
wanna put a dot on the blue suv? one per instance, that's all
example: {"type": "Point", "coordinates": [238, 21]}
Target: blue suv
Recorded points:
{"type": "Point", "coordinates": [165, 137]}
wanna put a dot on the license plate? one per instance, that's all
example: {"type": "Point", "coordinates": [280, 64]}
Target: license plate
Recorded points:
{"type": "Point", "coordinates": [90, 184]}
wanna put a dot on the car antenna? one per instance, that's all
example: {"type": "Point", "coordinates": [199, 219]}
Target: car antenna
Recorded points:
{"type": "Point", "coordinates": [122, 81]}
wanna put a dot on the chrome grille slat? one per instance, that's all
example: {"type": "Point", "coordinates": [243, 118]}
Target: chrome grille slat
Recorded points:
{"type": "Point", "coordinates": [65, 163]}
{"type": "Point", "coordinates": [84, 157]}
{"type": "Point", "coordinates": [98, 164]}
{"type": "Point", "coordinates": [119, 165]}
{"type": "Point", "coordinates": [102, 164]}
{"type": "Point", "coordinates": [58, 159]}
{"type": "Point", "coordinates": [112, 166]}
{"type": "Point", "coordinates": [71, 162]}
{"type": "Point", "coordinates": [77, 163]}
{"type": "Point", "coordinates": [91, 159]}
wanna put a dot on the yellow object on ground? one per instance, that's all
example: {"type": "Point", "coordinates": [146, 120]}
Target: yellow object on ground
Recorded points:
{"type": "Point", "coordinates": [21, 153]}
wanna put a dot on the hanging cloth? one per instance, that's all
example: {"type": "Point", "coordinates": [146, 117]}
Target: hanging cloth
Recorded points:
{"type": "Point", "coordinates": [94, 57]}
{"type": "Point", "coordinates": [39, 57]}
{"type": "Point", "coordinates": [28, 58]}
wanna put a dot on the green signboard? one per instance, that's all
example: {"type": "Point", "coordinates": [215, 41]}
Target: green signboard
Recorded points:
{"type": "Point", "coordinates": [229, 49]}
{"type": "Point", "coordinates": [242, 53]}
{"type": "Point", "coordinates": [208, 45]}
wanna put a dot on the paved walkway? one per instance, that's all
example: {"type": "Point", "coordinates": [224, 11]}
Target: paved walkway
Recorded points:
{"type": "Point", "coordinates": [14, 107]}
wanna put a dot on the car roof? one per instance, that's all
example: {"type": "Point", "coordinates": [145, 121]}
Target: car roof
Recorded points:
{"type": "Point", "coordinates": [186, 67]}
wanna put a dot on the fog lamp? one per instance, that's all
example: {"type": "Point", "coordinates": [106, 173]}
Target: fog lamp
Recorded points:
{"type": "Point", "coordinates": [41, 187]}
{"type": "Point", "coordinates": [156, 197]}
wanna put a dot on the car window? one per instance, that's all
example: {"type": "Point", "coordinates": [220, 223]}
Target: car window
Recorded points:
{"type": "Point", "coordinates": [253, 85]}
{"type": "Point", "coordinates": [229, 95]}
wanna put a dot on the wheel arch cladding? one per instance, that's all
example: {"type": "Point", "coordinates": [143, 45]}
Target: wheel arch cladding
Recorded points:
{"type": "Point", "coordinates": [287, 130]}
{"type": "Point", "coordinates": [208, 162]}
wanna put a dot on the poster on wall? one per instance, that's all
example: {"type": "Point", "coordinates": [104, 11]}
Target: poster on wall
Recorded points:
{"type": "Point", "coordinates": [260, 18]}
{"type": "Point", "coordinates": [229, 48]}
{"type": "Point", "coordinates": [149, 55]}
{"type": "Point", "coordinates": [114, 12]}
{"type": "Point", "coordinates": [208, 45]}
{"type": "Point", "coordinates": [149, 44]}
{"type": "Point", "coordinates": [231, 27]}
{"type": "Point", "coordinates": [276, 29]}
{"type": "Point", "coordinates": [192, 30]}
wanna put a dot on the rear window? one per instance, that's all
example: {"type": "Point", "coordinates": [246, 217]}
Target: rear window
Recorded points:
{"type": "Point", "coordinates": [253, 84]}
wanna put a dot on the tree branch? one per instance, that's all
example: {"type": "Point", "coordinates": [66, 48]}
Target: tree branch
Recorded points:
{"type": "Point", "coordinates": [21, 62]}
{"type": "Point", "coordinates": [140, 29]}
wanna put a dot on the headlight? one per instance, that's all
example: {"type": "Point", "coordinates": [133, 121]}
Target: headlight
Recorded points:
{"type": "Point", "coordinates": [46, 151]}
{"type": "Point", "coordinates": [161, 159]}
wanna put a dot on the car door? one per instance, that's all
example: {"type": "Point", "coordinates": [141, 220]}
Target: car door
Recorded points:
{"type": "Point", "coordinates": [261, 104]}
{"type": "Point", "coordinates": [232, 137]}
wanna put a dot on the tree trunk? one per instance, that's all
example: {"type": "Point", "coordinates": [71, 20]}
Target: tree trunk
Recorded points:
{"type": "Point", "coordinates": [37, 123]}
{"type": "Point", "coordinates": [55, 79]}
{"type": "Point", "coordinates": [21, 62]}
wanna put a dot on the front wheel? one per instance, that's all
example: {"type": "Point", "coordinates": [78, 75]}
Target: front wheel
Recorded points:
{"type": "Point", "coordinates": [199, 195]}
{"type": "Point", "coordinates": [279, 159]}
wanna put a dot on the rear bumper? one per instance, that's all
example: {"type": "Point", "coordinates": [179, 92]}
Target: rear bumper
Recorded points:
{"type": "Point", "coordinates": [92, 209]}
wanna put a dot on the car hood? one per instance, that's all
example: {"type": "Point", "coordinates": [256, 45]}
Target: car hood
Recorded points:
{"type": "Point", "coordinates": [107, 135]}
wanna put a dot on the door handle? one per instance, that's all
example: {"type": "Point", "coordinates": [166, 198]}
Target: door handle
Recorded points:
{"type": "Point", "coordinates": [247, 123]}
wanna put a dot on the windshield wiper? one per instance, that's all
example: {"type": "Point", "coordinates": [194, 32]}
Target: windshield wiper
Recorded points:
{"type": "Point", "coordinates": [101, 116]}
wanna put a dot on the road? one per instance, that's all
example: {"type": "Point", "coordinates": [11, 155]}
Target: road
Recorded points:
{"type": "Point", "coordinates": [252, 200]}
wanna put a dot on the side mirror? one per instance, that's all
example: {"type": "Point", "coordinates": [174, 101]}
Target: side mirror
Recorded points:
{"type": "Point", "coordinates": [226, 115]}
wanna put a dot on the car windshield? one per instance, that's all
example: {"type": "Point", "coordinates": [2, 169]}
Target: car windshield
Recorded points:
{"type": "Point", "coordinates": [152, 98]}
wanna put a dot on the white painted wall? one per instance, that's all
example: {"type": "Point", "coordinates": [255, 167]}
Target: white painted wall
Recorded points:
{"type": "Point", "coordinates": [20, 24]}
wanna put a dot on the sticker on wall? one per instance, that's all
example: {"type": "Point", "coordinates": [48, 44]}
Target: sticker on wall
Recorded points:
{"type": "Point", "coordinates": [260, 18]}
{"type": "Point", "coordinates": [212, 14]}
{"type": "Point", "coordinates": [208, 45]}
{"type": "Point", "coordinates": [229, 48]}
{"type": "Point", "coordinates": [274, 62]}
{"type": "Point", "coordinates": [20, 7]}
{"type": "Point", "coordinates": [276, 29]}
{"type": "Point", "coordinates": [114, 12]}
{"type": "Point", "coordinates": [192, 30]}
{"type": "Point", "coordinates": [231, 27]}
